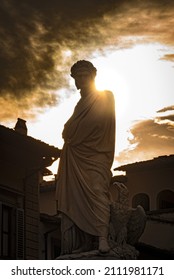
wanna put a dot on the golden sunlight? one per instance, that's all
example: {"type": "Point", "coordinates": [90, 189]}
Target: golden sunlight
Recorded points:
{"type": "Point", "coordinates": [137, 77]}
{"type": "Point", "coordinates": [109, 79]}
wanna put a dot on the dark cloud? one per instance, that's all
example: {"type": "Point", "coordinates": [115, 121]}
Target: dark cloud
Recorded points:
{"type": "Point", "coordinates": [36, 36]}
{"type": "Point", "coordinates": [151, 138]}
{"type": "Point", "coordinates": [33, 37]}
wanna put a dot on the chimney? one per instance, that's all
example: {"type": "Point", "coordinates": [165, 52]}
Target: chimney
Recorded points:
{"type": "Point", "coordinates": [21, 127]}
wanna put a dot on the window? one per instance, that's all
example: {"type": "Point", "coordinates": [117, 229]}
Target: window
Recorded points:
{"type": "Point", "coordinates": [141, 199]}
{"type": "Point", "coordinates": [165, 199]}
{"type": "Point", "coordinates": [6, 231]}
{"type": "Point", "coordinates": [56, 248]}
{"type": "Point", "coordinates": [11, 232]}
{"type": "Point", "coordinates": [19, 234]}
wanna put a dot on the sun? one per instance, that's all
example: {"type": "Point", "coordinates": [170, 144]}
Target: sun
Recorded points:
{"type": "Point", "coordinates": [109, 79]}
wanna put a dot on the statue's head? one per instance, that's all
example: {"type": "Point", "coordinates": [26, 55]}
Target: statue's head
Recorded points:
{"type": "Point", "coordinates": [83, 66]}
{"type": "Point", "coordinates": [84, 73]}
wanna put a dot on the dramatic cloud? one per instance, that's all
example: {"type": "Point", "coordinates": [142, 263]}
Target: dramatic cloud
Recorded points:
{"type": "Point", "coordinates": [169, 57]}
{"type": "Point", "coordinates": [150, 138]}
{"type": "Point", "coordinates": [165, 109]}
{"type": "Point", "coordinates": [35, 37]}
{"type": "Point", "coordinates": [40, 39]}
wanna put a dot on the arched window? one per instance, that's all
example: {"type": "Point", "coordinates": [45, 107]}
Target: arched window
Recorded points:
{"type": "Point", "coordinates": [141, 199]}
{"type": "Point", "coordinates": [165, 199]}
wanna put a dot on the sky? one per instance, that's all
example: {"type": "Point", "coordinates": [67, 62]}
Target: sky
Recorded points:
{"type": "Point", "coordinates": [131, 43]}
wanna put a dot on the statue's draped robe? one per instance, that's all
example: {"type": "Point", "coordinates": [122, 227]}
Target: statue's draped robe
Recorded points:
{"type": "Point", "coordinates": [86, 159]}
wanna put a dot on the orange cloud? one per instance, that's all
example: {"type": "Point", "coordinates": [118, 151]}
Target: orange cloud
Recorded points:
{"type": "Point", "coordinates": [150, 138]}
{"type": "Point", "coordinates": [165, 109]}
{"type": "Point", "coordinates": [169, 57]}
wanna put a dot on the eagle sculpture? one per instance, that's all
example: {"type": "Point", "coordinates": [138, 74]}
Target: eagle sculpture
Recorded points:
{"type": "Point", "coordinates": [126, 224]}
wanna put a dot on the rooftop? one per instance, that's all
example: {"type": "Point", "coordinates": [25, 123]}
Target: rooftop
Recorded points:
{"type": "Point", "coordinates": [22, 148]}
{"type": "Point", "coordinates": [157, 162]}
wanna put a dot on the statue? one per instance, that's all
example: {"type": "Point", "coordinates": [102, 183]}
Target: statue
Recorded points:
{"type": "Point", "coordinates": [89, 222]}
{"type": "Point", "coordinates": [86, 159]}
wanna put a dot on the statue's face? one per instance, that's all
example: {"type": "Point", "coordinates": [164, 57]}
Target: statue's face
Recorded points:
{"type": "Point", "coordinates": [83, 79]}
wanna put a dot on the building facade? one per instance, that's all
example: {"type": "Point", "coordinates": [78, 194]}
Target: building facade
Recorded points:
{"type": "Point", "coordinates": [151, 185]}
{"type": "Point", "coordinates": [22, 161]}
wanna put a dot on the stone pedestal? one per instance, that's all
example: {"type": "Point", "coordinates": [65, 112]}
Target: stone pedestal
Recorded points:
{"type": "Point", "coordinates": [124, 252]}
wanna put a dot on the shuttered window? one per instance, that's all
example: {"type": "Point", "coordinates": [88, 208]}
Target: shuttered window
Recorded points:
{"type": "Point", "coordinates": [6, 231]}
{"type": "Point", "coordinates": [19, 234]}
{"type": "Point", "coordinates": [11, 232]}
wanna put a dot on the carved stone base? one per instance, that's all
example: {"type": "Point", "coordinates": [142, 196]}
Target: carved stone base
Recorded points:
{"type": "Point", "coordinates": [124, 252]}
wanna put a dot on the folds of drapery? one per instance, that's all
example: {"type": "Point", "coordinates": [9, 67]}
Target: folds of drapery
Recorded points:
{"type": "Point", "coordinates": [86, 159]}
